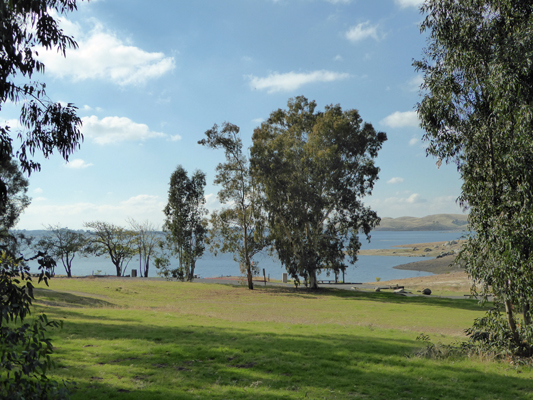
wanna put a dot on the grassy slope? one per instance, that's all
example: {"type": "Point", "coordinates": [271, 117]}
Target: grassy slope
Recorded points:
{"type": "Point", "coordinates": [437, 222]}
{"type": "Point", "coordinates": [135, 339]}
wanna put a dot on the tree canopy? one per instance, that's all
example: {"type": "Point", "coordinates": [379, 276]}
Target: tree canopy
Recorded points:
{"type": "Point", "coordinates": [477, 111]}
{"type": "Point", "coordinates": [45, 126]}
{"type": "Point", "coordinates": [239, 227]}
{"type": "Point", "coordinates": [64, 244]}
{"type": "Point", "coordinates": [15, 187]}
{"type": "Point", "coordinates": [314, 168]}
{"type": "Point", "coordinates": [113, 241]}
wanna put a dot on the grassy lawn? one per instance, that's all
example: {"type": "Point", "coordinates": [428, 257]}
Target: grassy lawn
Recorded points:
{"type": "Point", "coordinates": [137, 339]}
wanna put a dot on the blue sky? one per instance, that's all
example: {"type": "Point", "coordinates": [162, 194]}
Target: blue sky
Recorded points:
{"type": "Point", "coordinates": [150, 78]}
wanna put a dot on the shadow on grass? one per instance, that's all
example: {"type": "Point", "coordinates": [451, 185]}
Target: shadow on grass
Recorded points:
{"type": "Point", "coordinates": [62, 299]}
{"type": "Point", "coordinates": [188, 362]}
{"type": "Point", "coordinates": [381, 297]}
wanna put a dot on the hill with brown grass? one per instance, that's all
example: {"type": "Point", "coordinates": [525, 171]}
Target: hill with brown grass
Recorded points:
{"type": "Point", "coordinates": [436, 222]}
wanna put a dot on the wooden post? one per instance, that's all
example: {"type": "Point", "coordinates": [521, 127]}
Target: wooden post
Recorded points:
{"type": "Point", "coordinates": [264, 277]}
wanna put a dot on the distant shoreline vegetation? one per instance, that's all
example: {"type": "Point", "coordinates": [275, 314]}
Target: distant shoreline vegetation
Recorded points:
{"type": "Point", "coordinates": [436, 222]}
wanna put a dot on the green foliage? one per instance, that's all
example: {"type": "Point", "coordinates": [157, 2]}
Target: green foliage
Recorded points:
{"type": "Point", "coordinates": [13, 189]}
{"type": "Point", "coordinates": [239, 228]}
{"type": "Point", "coordinates": [185, 224]}
{"type": "Point", "coordinates": [64, 244]}
{"type": "Point", "coordinates": [26, 27]}
{"type": "Point", "coordinates": [477, 112]}
{"type": "Point", "coordinates": [114, 242]}
{"type": "Point", "coordinates": [25, 346]}
{"type": "Point", "coordinates": [313, 169]}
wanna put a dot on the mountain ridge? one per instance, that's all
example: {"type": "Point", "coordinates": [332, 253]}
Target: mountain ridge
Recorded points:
{"type": "Point", "coordinates": [434, 222]}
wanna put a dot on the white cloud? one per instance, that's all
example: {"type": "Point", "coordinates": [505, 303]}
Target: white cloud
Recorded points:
{"type": "Point", "coordinates": [174, 138]}
{"type": "Point", "coordinates": [413, 141]}
{"type": "Point", "coordinates": [142, 207]}
{"type": "Point", "coordinates": [414, 84]}
{"type": "Point", "coordinates": [258, 120]}
{"type": "Point", "coordinates": [409, 3]}
{"type": "Point", "coordinates": [293, 80]}
{"type": "Point", "coordinates": [38, 190]}
{"type": "Point", "coordinates": [415, 198]}
{"type": "Point", "coordinates": [117, 129]}
{"type": "Point", "coordinates": [339, 1]}
{"type": "Point", "coordinates": [396, 179]}
{"type": "Point", "coordinates": [78, 163]}
{"type": "Point", "coordinates": [338, 57]}
{"type": "Point", "coordinates": [400, 119]}
{"type": "Point", "coordinates": [12, 123]}
{"type": "Point", "coordinates": [102, 55]}
{"type": "Point", "coordinates": [362, 31]}
{"type": "Point", "coordinates": [414, 205]}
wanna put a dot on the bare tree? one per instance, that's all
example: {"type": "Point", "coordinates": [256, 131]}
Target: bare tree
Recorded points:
{"type": "Point", "coordinates": [147, 240]}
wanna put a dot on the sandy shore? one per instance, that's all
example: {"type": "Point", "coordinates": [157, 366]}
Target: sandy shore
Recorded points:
{"type": "Point", "coordinates": [435, 266]}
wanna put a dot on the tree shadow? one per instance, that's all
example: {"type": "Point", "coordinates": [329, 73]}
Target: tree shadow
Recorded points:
{"type": "Point", "coordinates": [64, 299]}
{"type": "Point", "coordinates": [229, 362]}
{"type": "Point", "coordinates": [381, 297]}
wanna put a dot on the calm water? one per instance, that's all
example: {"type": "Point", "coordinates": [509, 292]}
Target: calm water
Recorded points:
{"type": "Point", "coordinates": [366, 269]}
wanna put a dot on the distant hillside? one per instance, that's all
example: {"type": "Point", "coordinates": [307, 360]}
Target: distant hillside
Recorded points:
{"type": "Point", "coordinates": [437, 222]}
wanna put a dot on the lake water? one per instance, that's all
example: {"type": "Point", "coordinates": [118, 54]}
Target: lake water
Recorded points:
{"type": "Point", "coordinates": [367, 268]}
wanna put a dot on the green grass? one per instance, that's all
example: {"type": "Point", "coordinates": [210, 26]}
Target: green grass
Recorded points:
{"type": "Point", "coordinates": [135, 339]}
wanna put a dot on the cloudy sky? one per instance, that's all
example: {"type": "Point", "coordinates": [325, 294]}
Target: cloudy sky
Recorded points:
{"type": "Point", "coordinates": [150, 78]}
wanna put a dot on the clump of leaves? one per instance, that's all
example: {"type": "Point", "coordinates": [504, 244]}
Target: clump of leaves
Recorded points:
{"type": "Point", "coordinates": [25, 347]}
{"type": "Point", "coordinates": [491, 334]}
{"type": "Point", "coordinates": [439, 351]}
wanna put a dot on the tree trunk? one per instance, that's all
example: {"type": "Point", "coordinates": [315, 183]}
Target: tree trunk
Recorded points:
{"type": "Point", "coordinates": [510, 320]}
{"type": "Point", "coordinates": [191, 272]}
{"type": "Point", "coordinates": [312, 279]}
{"type": "Point", "coordinates": [527, 316]}
{"type": "Point", "coordinates": [249, 276]}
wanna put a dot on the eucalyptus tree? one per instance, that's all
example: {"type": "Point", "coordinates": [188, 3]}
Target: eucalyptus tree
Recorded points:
{"type": "Point", "coordinates": [45, 127]}
{"type": "Point", "coordinates": [239, 227]}
{"type": "Point", "coordinates": [314, 168]}
{"type": "Point", "coordinates": [185, 223]}
{"type": "Point", "coordinates": [113, 241]}
{"type": "Point", "coordinates": [477, 111]}
{"type": "Point", "coordinates": [63, 243]}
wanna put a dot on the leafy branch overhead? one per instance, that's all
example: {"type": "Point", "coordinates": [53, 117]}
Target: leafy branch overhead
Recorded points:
{"type": "Point", "coordinates": [45, 127]}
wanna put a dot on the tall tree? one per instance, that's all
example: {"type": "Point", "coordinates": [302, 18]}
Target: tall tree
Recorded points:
{"type": "Point", "coordinates": [46, 127]}
{"type": "Point", "coordinates": [64, 244]}
{"type": "Point", "coordinates": [477, 112]}
{"type": "Point", "coordinates": [238, 229]}
{"type": "Point", "coordinates": [185, 222]}
{"type": "Point", "coordinates": [147, 241]}
{"type": "Point", "coordinates": [314, 168]}
{"type": "Point", "coordinates": [113, 241]}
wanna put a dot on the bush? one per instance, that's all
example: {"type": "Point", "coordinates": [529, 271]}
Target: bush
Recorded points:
{"type": "Point", "coordinates": [25, 348]}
